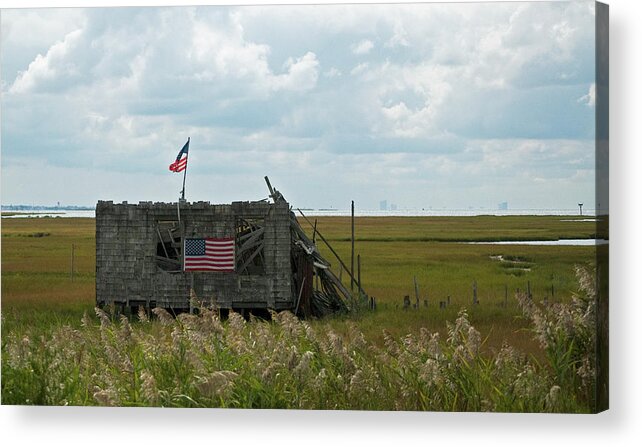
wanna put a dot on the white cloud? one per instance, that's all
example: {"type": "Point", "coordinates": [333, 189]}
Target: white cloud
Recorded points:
{"type": "Point", "coordinates": [589, 98]}
{"type": "Point", "coordinates": [363, 47]}
{"type": "Point", "coordinates": [332, 73]}
{"type": "Point", "coordinates": [407, 123]}
{"type": "Point", "coordinates": [399, 37]}
{"type": "Point", "coordinates": [302, 74]}
{"type": "Point", "coordinates": [359, 69]}
{"type": "Point", "coordinates": [548, 157]}
{"type": "Point", "coordinates": [223, 52]}
{"type": "Point", "coordinates": [50, 66]}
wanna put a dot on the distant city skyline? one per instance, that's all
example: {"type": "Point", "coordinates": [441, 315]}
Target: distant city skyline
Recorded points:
{"type": "Point", "coordinates": [426, 105]}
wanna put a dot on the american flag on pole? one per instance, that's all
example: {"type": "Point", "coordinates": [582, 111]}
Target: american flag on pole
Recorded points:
{"type": "Point", "coordinates": [209, 254]}
{"type": "Point", "coordinates": [181, 159]}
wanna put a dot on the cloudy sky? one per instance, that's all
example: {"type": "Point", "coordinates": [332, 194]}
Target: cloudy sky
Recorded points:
{"type": "Point", "coordinates": [434, 105]}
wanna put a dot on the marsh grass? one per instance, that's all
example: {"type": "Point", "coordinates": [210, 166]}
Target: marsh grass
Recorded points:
{"type": "Point", "coordinates": [37, 290]}
{"type": "Point", "coordinates": [159, 365]}
{"type": "Point", "coordinates": [456, 228]}
{"type": "Point", "coordinates": [201, 361]}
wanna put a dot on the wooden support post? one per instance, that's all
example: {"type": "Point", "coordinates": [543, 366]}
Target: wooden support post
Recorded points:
{"type": "Point", "coordinates": [474, 292]}
{"type": "Point", "coordinates": [352, 247]}
{"type": "Point", "coordinates": [416, 292]}
{"type": "Point", "coordinates": [359, 272]}
{"type": "Point", "coordinates": [71, 273]}
{"type": "Point", "coordinates": [298, 301]}
{"type": "Point", "coordinates": [269, 185]}
{"type": "Point", "coordinates": [336, 255]}
{"type": "Point", "coordinates": [314, 233]}
{"type": "Point", "coordinates": [160, 239]}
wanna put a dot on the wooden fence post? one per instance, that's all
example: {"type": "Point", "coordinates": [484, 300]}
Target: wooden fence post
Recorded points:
{"type": "Point", "coordinates": [359, 272]}
{"type": "Point", "coordinates": [475, 292]}
{"type": "Point", "coordinates": [416, 293]}
{"type": "Point", "coordinates": [73, 249]}
{"type": "Point", "coordinates": [352, 248]}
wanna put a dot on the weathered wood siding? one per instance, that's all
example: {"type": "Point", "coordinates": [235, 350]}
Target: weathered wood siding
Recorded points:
{"type": "Point", "coordinates": [126, 248]}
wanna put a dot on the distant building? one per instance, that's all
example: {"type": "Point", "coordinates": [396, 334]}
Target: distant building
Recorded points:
{"type": "Point", "coordinates": [503, 206]}
{"type": "Point", "coordinates": [383, 205]}
{"type": "Point", "coordinates": [393, 207]}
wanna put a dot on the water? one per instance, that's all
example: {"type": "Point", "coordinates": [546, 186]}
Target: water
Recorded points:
{"type": "Point", "coordinates": [51, 213]}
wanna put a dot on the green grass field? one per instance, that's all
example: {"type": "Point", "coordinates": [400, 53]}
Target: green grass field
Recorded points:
{"type": "Point", "coordinates": [37, 290]}
{"type": "Point", "coordinates": [392, 358]}
{"type": "Point", "coordinates": [396, 249]}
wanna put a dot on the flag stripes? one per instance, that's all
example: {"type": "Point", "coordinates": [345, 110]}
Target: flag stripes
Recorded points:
{"type": "Point", "coordinates": [209, 254]}
{"type": "Point", "coordinates": [179, 166]}
{"type": "Point", "coordinates": [181, 159]}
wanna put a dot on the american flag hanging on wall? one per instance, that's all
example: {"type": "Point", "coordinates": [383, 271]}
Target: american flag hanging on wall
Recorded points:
{"type": "Point", "coordinates": [209, 254]}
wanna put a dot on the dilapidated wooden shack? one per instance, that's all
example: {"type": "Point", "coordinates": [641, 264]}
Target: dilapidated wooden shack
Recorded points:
{"type": "Point", "coordinates": [143, 253]}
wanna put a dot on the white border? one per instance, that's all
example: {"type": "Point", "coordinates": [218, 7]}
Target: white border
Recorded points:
{"type": "Point", "coordinates": [619, 426]}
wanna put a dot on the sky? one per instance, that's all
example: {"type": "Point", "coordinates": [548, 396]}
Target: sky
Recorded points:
{"type": "Point", "coordinates": [424, 105]}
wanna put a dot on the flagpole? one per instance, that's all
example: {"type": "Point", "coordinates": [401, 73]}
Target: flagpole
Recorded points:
{"type": "Point", "coordinates": [185, 174]}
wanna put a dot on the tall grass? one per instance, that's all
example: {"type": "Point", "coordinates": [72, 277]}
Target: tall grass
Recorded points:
{"type": "Point", "coordinates": [201, 361]}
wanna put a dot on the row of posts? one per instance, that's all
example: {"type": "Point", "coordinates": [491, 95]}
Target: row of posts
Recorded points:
{"type": "Point", "coordinates": [407, 304]}
{"type": "Point", "coordinates": [372, 301]}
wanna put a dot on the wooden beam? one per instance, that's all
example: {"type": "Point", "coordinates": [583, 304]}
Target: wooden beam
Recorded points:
{"type": "Point", "coordinates": [359, 271]}
{"type": "Point", "coordinates": [338, 284]}
{"type": "Point", "coordinates": [269, 185]}
{"type": "Point", "coordinates": [249, 246]}
{"type": "Point", "coordinates": [251, 258]}
{"type": "Point", "coordinates": [314, 233]}
{"type": "Point", "coordinates": [251, 242]}
{"type": "Point", "coordinates": [169, 263]}
{"type": "Point", "coordinates": [251, 234]}
{"type": "Point", "coordinates": [345, 267]}
{"type": "Point", "coordinates": [352, 246]}
{"type": "Point", "coordinates": [160, 238]}
{"type": "Point", "coordinates": [296, 309]}
{"type": "Point", "coordinates": [175, 245]}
